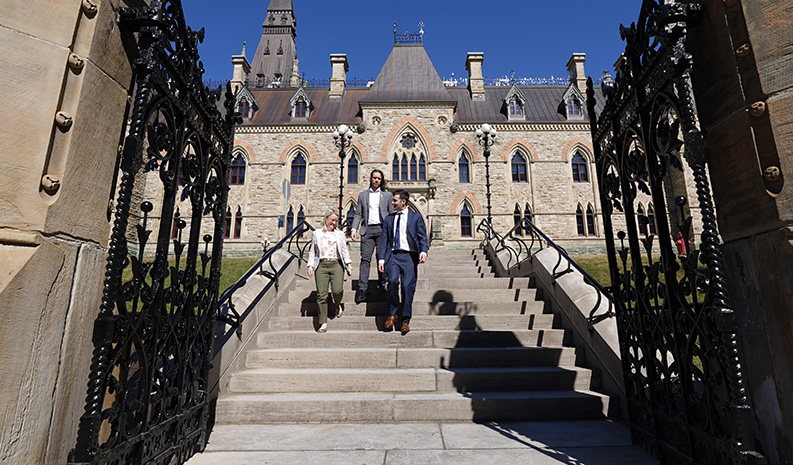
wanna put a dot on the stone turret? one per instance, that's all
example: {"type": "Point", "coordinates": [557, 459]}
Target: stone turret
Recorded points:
{"type": "Point", "coordinates": [241, 70]}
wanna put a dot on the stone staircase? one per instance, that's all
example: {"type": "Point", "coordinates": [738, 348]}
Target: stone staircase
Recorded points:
{"type": "Point", "coordinates": [480, 348]}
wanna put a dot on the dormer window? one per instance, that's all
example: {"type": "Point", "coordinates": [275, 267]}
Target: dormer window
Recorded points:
{"type": "Point", "coordinates": [573, 107]}
{"type": "Point", "coordinates": [301, 104]}
{"type": "Point", "coordinates": [513, 104]}
{"type": "Point", "coordinates": [244, 108]}
{"type": "Point", "coordinates": [515, 109]}
{"type": "Point", "coordinates": [570, 106]}
{"type": "Point", "coordinates": [300, 109]}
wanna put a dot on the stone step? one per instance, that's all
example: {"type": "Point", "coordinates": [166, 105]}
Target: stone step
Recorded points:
{"type": "Point", "coordinates": [271, 380]}
{"type": "Point", "coordinates": [377, 306]}
{"type": "Point", "coordinates": [448, 283]}
{"type": "Point", "coordinates": [350, 322]}
{"type": "Point", "coordinates": [417, 338]}
{"type": "Point", "coordinates": [427, 295]}
{"type": "Point", "coordinates": [411, 358]}
{"type": "Point", "coordinates": [390, 407]}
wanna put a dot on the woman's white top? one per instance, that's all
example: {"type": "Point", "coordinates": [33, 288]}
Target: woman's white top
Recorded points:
{"type": "Point", "coordinates": [328, 244]}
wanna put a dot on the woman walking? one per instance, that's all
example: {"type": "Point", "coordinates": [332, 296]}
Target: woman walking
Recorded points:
{"type": "Point", "coordinates": [327, 261]}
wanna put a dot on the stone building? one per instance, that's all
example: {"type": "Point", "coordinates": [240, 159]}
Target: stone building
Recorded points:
{"type": "Point", "coordinates": [419, 131]}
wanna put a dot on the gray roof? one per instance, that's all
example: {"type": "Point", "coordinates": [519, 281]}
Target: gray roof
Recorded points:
{"type": "Point", "coordinates": [408, 75]}
{"type": "Point", "coordinates": [279, 5]}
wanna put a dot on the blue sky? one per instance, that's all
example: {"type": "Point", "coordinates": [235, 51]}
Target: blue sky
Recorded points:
{"type": "Point", "coordinates": [533, 38]}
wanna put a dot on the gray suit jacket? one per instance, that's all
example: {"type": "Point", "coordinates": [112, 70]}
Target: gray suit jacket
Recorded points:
{"type": "Point", "coordinates": [362, 210]}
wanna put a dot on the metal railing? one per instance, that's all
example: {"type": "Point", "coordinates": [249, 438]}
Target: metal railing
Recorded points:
{"type": "Point", "coordinates": [227, 312]}
{"type": "Point", "coordinates": [525, 236]}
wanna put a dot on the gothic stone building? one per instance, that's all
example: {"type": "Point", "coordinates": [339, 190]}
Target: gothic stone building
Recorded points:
{"type": "Point", "coordinates": [420, 132]}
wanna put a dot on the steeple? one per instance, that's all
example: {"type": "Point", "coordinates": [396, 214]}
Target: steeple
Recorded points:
{"type": "Point", "coordinates": [276, 53]}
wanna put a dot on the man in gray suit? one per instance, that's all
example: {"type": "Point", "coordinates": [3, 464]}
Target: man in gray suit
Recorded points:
{"type": "Point", "coordinates": [374, 204]}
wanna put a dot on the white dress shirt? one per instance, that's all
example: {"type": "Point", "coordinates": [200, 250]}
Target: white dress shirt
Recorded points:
{"type": "Point", "coordinates": [374, 208]}
{"type": "Point", "coordinates": [404, 244]}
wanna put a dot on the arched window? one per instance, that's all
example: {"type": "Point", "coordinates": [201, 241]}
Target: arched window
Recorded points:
{"type": "Point", "coordinates": [352, 170]}
{"type": "Point", "coordinates": [290, 220]}
{"type": "Point", "coordinates": [237, 171]}
{"type": "Point", "coordinates": [395, 171]}
{"type": "Point", "coordinates": [527, 213]}
{"type": "Point", "coordinates": [404, 174]}
{"type": "Point", "coordinates": [227, 232]}
{"type": "Point", "coordinates": [299, 170]}
{"type": "Point", "coordinates": [641, 218]}
{"type": "Point", "coordinates": [651, 218]}
{"type": "Point", "coordinates": [515, 108]}
{"type": "Point", "coordinates": [349, 218]}
{"type": "Point", "coordinates": [590, 220]}
{"type": "Point", "coordinates": [300, 215]}
{"type": "Point", "coordinates": [579, 221]}
{"type": "Point", "coordinates": [573, 107]}
{"type": "Point", "coordinates": [238, 224]}
{"type": "Point", "coordinates": [465, 222]}
{"type": "Point", "coordinates": [519, 168]}
{"type": "Point", "coordinates": [464, 168]}
{"type": "Point", "coordinates": [244, 108]}
{"type": "Point", "coordinates": [174, 226]}
{"type": "Point", "coordinates": [579, 168]}
{"type": "Point", "coordinates": [300, 109]}
{"type": "Point", "coordinates": [516, 217]}
{"type": "Point", "coordinates": [413, 168]}
{"type": "Point", "coordinates": [422, 168]}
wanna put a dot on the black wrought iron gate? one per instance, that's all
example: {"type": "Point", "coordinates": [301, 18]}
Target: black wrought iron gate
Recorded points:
{"type": "Point", "coordinates": [681, 361]}
{"type": "Point", "coordinates": [147, 399]}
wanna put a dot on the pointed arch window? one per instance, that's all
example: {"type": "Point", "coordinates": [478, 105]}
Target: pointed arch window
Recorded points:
{"type": "Point", "coordinates": [300, 215]}
{"type": "Point", "coordinates": [395, 171]}
{"type": "Point", "coordinates": [352, 170]}
{"type": "Point", "coordinates": [579, 221]}
{"type": "Point", "coordinates": [237, 171]}
{"type": "Point", "coordinates": [519, 168]}
{"type": "Point", "coordinates": [227, 231]}
{"type": "Point", "coordinates": [350, 216]}
{"type": "Point", "coordinates": [464, 168]}
{"type": "Point", "coordinates": [299, 170]}
{"type": "Point", "coordinates": [290, 220]}
{"type": "Point", "coordinates": [516, 218]}
{"type": "Point", "coordinates": [590, 220]}
{"type": "Point", "coordinates": [175, 225]}
{"type": "Point", "coordinates": [404, 171]}
{"type": "Point", "coordinates": [527, 214]}
{"type": "Point", "coordinates": [515, 108]}
{"type": "Point", "coordinates": [651, 219]}
{"type": "Point", "coordinates": [465, 222]}
{"type": "Point", "coordinates": [579, 168]}
{"type": "Point", "coordinates": [422, 168]}
{"type": "Point", "coordinates": [642, 220]}
{"type": "Point", "coordinates": [413, 168]}
{"type": "Point", "coordinates": [238, 224]}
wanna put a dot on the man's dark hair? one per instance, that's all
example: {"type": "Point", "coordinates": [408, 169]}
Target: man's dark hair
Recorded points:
{"type": "Point", "coordinates": [382, 177]}
{"type": "Point", "coordinates": [403, 194]}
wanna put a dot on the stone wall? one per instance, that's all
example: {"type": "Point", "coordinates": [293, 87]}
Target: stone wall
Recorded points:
{"type": "Point", "coordinates": [65, 75]}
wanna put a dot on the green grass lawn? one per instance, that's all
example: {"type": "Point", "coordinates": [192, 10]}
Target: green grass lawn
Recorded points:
{"type": "Point", "coordinates": [231, 270]}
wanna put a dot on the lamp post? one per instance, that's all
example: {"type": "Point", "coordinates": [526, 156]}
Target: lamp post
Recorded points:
{"type": "Point", "coordinates": [342, 138]}
{"type": "Point", "coordinates": [486, 137]}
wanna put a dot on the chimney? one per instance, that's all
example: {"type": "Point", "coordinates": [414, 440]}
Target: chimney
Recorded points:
{"type": "Point", "coordinates": [241, 70]}
{"type": "Point", "coordinates": [338, 79]}
{"type": "Point", "coordinates": [575, 66]}
{"type": "Point", "coordinates": [476, 83]}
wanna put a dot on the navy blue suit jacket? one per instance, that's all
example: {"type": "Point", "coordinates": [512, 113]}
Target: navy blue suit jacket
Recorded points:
{"type": "Point", "coordinates": [417, 235]}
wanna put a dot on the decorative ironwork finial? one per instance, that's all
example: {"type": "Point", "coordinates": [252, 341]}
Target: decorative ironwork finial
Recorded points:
{"type": "Point", "coordinates": [421, 27]}
{"type": "Point", "coordinates": [512, 77]}
{"type": "Point", "coordinates": [407, 37]}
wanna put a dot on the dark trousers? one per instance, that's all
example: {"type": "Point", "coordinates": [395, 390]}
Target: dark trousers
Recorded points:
{"type": "Point", "coordinates": [369, 241]}
{"type": "Point", "coordinates": [402, 268]}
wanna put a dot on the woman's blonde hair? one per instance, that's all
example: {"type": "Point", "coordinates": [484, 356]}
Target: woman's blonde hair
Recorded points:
{"type": "Point", "coordinates": [327, 215]}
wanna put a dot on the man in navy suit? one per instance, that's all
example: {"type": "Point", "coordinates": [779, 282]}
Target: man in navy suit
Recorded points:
{"type": "Point", "coordinates": [403, 245]}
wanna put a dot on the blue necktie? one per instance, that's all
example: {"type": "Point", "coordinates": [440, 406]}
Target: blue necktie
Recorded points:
{"type": "Point", "coordinates": [396, 233]}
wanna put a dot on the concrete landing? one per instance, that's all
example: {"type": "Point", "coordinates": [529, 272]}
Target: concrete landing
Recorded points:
{"type": "Point", "coordinates": [600, 442]}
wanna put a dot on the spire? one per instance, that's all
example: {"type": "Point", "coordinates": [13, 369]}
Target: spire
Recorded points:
{"type": "Point", "coordinates": [243, 48]}
{"type": "Point", "coordinates": [279, 29]}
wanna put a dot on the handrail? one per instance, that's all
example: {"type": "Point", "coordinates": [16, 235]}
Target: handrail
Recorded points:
{"type": "Point", "coordinates": [592, 319]}
{"type": "Point", "coordinates": [228, 313]}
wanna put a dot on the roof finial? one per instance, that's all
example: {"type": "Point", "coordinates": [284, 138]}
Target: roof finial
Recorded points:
{"type": "Point", "coordinates": [243, 48]}
{"type": "Point", "coordinates": [421, 27]}
{"type": "Point", "coordinates": [512, 79]}
{"type": "Point", "coordinates": [395, 26]}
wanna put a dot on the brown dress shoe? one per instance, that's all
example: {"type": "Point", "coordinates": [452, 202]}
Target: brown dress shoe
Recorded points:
{"type": "Point", "coordinates": [389, 322]}
{"type": "Point", "coordinates": [405, 328]}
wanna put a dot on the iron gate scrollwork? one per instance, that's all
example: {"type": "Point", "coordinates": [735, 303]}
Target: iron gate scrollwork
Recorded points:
{"type": "Point", "coordinates": [681, 361]}
{"type": "Point", "coordinates": [147, 399]}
